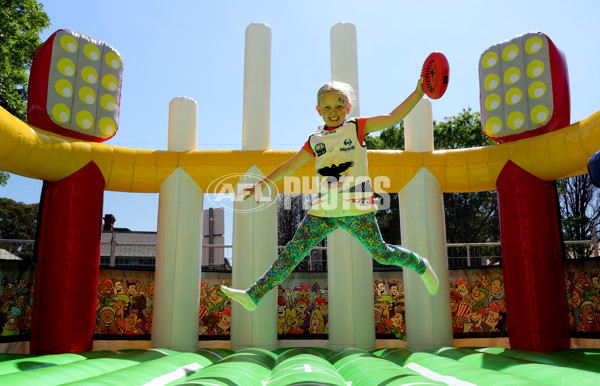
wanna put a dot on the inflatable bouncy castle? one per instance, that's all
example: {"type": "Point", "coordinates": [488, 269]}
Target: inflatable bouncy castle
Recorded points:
{"type": "Point", "coordinates": [74, 107]}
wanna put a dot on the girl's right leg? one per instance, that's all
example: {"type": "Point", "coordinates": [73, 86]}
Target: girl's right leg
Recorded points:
{"type": "Point", "coordinates": [310, 232]}
{"type": "Point", "coordinates": [365, 229]}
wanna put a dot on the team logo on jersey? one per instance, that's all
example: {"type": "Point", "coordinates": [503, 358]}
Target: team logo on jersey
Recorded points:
{"type": "Point", "coordinates": [347, 145]}
{"type": "Point", "coordinates": [320, 149]}
{"type": "Point", "coordinates": [334, 170]}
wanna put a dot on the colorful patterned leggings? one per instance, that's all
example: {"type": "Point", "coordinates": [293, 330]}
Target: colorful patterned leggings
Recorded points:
{"type": "Point", "coordinates": [313, 229]}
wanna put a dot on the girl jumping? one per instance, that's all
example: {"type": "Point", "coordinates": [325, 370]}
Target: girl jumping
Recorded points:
{"type": "Point", "coordinates": [345, 195]}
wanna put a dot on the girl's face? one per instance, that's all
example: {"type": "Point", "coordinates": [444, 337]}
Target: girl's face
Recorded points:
{"type": "Point", "coordinates": [333, 107]}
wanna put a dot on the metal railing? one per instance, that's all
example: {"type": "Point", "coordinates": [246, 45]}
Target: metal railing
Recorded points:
{"type": "Point", "coordinates": [460, 255]}
{"type": "Point", "coordinates": [18, 241]}
{"type": "Point", "coordinates": [467, 255]}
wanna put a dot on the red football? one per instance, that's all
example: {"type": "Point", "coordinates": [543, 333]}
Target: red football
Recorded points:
{"type": "Point", "coordinates": [435, 74]}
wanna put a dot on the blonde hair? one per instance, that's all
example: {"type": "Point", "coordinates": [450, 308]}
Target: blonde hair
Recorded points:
{"type": "Point", "coordinates": [341, 88]}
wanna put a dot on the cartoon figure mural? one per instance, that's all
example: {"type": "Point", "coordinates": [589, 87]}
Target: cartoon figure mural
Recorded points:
{"type": "Point", "coordinates": [475, 318]}
{"type": "Point", "coordinates": [106, 292]}
{"type": "Point", "coordinates": [106, 322]}
{"type": "Point", "coordinates": [483, 318]}
{"type": "Point", "coordinates": [589, 320]}
{"type": "Point", "coordinates": [478, 292]}
{"type": "Point", "coordinates": [12, 321]}
{"type": "Point", "coordinates": [214, 299]}
{"type": "Point", "coordinates": [317, 324]}
{"type": "Point", "coordinates": [224, 322]}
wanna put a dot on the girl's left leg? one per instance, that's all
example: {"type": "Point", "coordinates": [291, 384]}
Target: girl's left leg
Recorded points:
{"type": "Point", "coordinates": [309, 233]}
{"type": "Point", "coordinates": [312, 230]}
{"type": "Point", "coordinates": [365, 229]}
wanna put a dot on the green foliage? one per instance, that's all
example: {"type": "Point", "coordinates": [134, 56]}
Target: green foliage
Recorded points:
{"type": "Point", "coordinates": [459, 132]}
{"type": "Point", "coordinates": [470, 217]}
{"type": "Point", "coordinates": [389, 220]}
{"type": "Point", "coordinates": [580, 211]}
{"type": "Point", "coordinates": [21, 22]}
{"type": "Point", "coordinates": [4, 176]}
{"type": "Point", "coordinates": [473, 217]}
{"type": "Point", "coordinates": [18, 221]}
{"type": "Point", "coordinates": [391, 138]}
{"type": "Point", "coordinates": [291, 210]}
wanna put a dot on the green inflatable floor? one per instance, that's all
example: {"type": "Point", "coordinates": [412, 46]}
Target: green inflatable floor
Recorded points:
{"type": "Point", "coordinates": [305, 366]}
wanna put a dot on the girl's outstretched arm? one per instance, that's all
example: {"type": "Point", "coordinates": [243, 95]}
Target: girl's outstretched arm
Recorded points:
{"type": "Point", "coordinates": [381, 122]}
{"type": "Point", "coordinates": [283, 170]}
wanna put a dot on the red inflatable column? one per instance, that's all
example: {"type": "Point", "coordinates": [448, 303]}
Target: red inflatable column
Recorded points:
{"type": "Point", "coordinates": [534, 277]}
{"type": "Point", "coordinates": [68, 258]}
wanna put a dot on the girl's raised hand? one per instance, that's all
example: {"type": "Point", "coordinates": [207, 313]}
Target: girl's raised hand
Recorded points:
{"type": "Point", "coordinates": [248, 192]}
{"type": "Point", "coordinates": [419, 87]}
{"type": "Point", "coordinates": [255, 189]}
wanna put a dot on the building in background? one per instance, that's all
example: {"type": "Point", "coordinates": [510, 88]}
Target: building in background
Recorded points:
{"type": "Point", "coordinates": [124, 248]}
{"type": "Point", "coordinates": [6, 255]}
{"type": "Point", "coordinates": [213, 228]}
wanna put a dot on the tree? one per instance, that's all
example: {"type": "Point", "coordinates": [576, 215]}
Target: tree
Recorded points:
{"type": "Point", "coordinates": [470, 217]}
{"type": "Point", "coordinates": [291, 209]}
{"type": "Point", "coordinates": [21, 23]}
{"type": "Point", "coordinates": [18, 221]}
{"type": "Point", "coordinates": [579, 204]}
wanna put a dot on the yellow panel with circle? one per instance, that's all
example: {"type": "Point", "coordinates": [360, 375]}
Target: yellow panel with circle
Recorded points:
{"type": "Point", "coordinates": [516, 88]}
{"type": "Point", "coordinates": [84, 86]}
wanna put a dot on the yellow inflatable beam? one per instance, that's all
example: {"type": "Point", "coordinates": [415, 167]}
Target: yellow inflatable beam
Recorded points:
{"type": "Point", "coordinates": [35, 153]}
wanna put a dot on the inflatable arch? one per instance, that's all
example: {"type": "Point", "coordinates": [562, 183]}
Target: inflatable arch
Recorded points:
{"type": "Point", "coordinates": [67, 161]}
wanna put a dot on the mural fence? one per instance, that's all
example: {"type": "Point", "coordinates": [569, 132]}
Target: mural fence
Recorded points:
{"type": "Point", "coordinates": [125, 303]}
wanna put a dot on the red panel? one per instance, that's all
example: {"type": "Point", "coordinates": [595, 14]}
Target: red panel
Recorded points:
{"type": "Point", "coordinates": [37, 93]}
{"type": "Point", "coordinates": [532, 262]}
{"type": "Point", "coordinates": [68, 259]}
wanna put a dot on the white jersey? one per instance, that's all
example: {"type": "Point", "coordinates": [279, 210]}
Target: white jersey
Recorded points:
{"type": "Point", "coordinates": [344, 186]}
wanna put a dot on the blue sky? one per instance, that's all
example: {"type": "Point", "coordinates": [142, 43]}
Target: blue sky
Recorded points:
{"type": "Point", "coordinates": [195, 48]}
